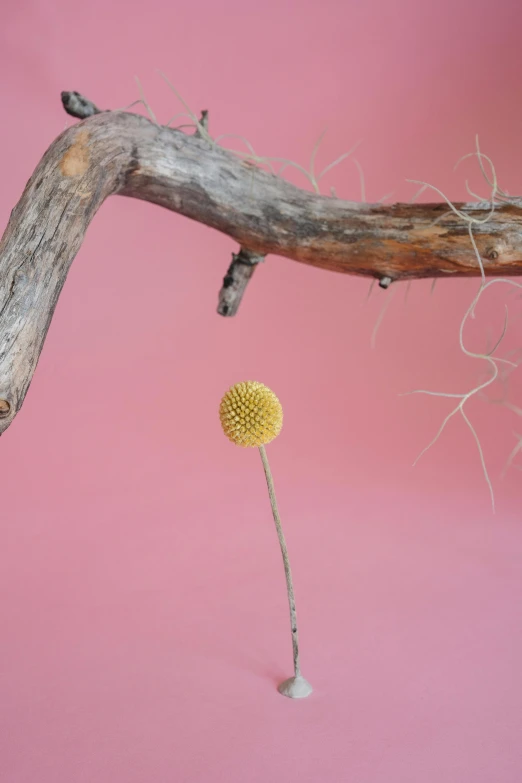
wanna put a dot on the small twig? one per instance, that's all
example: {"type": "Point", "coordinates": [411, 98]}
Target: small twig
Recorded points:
{"type": "Point", "coordinates": [380, 318]}
{"type": "Point", "coordinates": [236, 280]}
{"type": "Point", "coordinates": [203, 122]}
{"type": "Point", "coordinates": [511, 458]}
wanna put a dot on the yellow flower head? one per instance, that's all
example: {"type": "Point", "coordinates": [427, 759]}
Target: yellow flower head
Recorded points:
{"type": "Point", "coordinates": [250, 414]}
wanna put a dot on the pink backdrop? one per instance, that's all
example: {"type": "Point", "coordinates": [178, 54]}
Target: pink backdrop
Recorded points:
{"type": "Point", "coordinates": [144, 623]}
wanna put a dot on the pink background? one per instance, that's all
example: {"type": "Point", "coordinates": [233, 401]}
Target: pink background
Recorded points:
{"type": "Point", "coordinates": [144, 619]}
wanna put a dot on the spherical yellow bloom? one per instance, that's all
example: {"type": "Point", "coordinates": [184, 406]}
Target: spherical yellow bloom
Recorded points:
{"type": "Point", "coordinates": [250, 414]}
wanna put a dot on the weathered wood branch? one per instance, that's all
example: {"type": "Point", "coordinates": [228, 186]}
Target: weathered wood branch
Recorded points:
{"type": "Point", "coordinates": [121, 153]}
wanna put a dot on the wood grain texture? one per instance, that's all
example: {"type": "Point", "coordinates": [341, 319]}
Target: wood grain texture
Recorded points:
{"type": "Point", "coordinates": [126, 154]}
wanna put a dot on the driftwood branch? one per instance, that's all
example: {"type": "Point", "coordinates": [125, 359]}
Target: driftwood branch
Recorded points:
{"type": "Point", "coordinates": [121, 153]}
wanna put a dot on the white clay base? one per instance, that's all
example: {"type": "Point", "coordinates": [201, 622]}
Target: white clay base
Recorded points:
{"type": "Point", "coordinates": [295, 688]}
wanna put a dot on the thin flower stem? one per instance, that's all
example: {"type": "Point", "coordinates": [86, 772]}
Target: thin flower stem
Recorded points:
{"type": "Point", "coordinates": [286, 562]}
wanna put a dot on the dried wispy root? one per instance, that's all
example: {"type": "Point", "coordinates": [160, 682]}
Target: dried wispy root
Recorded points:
{"type": "Point", "coordinates": [251, 155]}
{"type": "Point", "coordinates": [502, 379]}
{"type": "Point", "coordinates": [380, 318]}
{"type": "Point", "coordinates": [494, 362]}
{"type": "Point", "coordinates": [370, 289]}
{"type": "Point", "coordinates": [512, 456]}
{"type": "Point", "coordinates": [144, 101]}
{"type": "Point", "coordinates": [203, 132]}
{"type": "Point", "coordinates": [309, 173]}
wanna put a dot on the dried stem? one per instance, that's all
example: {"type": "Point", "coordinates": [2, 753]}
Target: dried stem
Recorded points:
{"type": "Point", "coordinates": [286, 562]}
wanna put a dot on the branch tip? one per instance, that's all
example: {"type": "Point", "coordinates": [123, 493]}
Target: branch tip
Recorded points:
{"type": "Point", "coordinates": [78, 106]}
{"type": "Point", "coordinates": [203, 121]}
